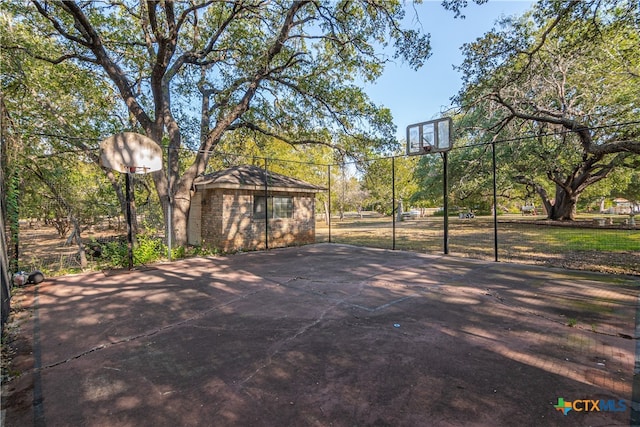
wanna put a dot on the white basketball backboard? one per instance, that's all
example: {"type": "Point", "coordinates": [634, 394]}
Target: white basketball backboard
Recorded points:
{"type": "Point", "coordinates": [433, 136]}
{"type": "Point", "coordinates": [130, 152]}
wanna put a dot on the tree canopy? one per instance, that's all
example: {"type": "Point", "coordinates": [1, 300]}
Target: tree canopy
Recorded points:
{"type": "Point", "coordinates": [567, 73]}
{"type": "Point", "coordinates": [187, 73]}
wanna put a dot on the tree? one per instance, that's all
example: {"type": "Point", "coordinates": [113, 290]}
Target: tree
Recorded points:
{"type": "Point", "coordinates": [279, 68]}
{"type": "Point", "coordinates": [52, 119]}
{"type": "Point", "coordinates": [10, 151]}
{"type": "Point", "coordinates": [567, 73]}
{"type": "Point", "coordinates": [8, 220]}
{"type": "Point", "coordinates": [377, 180]}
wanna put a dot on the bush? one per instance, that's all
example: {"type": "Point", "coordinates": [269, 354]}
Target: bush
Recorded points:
{"type": "Point", "coordinates": [179, 252]}
{"type": "Point", "coordinates": [148, 249]}
{"type": "Point", "coordinates": [115, 253]}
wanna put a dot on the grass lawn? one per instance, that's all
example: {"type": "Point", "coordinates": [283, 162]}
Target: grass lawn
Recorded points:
{"type": "Point", "coordinates": [520, 239]}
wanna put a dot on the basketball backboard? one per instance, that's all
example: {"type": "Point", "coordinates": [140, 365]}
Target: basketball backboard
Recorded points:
{"type": "Point", "coordinates": [130, 152]}
{"type": "Point", "coordinates": [433, 136]}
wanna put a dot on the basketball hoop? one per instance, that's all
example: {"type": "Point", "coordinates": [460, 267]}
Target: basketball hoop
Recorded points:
{"type": "Point", "coordinates": [130, 152]}
{"type": "Point", "coordinates": [432, 137]}
{"type": "Point", "coordinates": [429, 137]}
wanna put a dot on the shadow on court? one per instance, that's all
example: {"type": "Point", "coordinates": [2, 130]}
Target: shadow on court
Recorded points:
{"type": "Point", "coordinates": [326, 335]}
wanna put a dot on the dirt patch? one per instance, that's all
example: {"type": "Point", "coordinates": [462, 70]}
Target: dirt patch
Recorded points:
{"type": "Point", "coordinates": [41, 247]}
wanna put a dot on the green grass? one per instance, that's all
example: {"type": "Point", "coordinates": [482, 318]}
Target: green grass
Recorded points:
{"type": "Point", "coordinates": [593, 239]}
{"type": "Point", "coordinates": [520, 239]}
{"type": "Point", "coordinates": [538, 237]}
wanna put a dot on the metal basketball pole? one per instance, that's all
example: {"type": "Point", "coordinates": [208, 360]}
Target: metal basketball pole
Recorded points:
{"type": "Point", "coordinates": [446, 202]}
{"type": "Point", "coordinates": [129, 153]}
{"type": "Point", "coordinates": [129, 220]}
{"type": "Point", "coordinates": [434, 136]}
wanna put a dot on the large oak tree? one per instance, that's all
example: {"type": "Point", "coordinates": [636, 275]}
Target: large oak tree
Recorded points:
{"type": "Point", "coordinates": [567, 73]}
{"type": "Point", "coordinates": [190, 72]}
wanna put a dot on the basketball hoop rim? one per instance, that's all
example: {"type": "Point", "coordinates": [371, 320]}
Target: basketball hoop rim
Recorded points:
{"type": "Point", "coordinates": [135, 169]}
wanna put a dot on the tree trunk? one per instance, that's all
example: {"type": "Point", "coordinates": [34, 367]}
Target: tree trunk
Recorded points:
{"type": "Point", "coordinates": [179, 218]}
{"type": "Point", "coordinates": [564, 206]}
{"type": "Point", "coordinates": [399, 211]}
{"type": "Point", "coordinates": [180, 204]}
{"type": "Point", "coordinates": [78, 238]}
{"type": "Point", "coordinates": [327, 212]}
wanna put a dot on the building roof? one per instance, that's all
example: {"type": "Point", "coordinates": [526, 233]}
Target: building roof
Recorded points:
{"type": "Point", "coordinates": [253, 178]}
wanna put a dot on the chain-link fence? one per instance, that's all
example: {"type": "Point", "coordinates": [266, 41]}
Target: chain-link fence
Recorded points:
{"type": "Point", "coordinates": [88, 232]}
{"type": "Point", "coordinates": [371, 203]}
{"type": "Point", "coordinates": [256, 203]}
{"type": "Point", "coordinates": [488, 217]}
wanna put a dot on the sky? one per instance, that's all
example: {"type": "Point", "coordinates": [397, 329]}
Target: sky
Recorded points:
{"type": "Point", "coordinates": [418, 96]}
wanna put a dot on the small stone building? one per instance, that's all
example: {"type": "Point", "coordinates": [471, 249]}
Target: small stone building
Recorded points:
{"type": "Point", "coordinates": [240, 207]}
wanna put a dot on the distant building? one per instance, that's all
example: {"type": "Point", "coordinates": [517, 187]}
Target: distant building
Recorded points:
{"type": "Point", "coordinates": [232, 209]}
{"type": "Point", "coordinates": [622, 207]}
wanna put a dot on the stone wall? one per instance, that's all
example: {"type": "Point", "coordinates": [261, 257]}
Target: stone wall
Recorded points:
{"type": "Point", "coordinates": [228, 223]}
{"type": "Point", "coordinates": [211, 212]}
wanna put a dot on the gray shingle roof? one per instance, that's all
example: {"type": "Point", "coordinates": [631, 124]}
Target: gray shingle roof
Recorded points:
{"type": "Point", "coordinates": [252, 177]}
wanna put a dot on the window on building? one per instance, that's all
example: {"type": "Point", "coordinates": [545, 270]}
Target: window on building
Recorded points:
{"type": "Point", "coordinates": [282, 207]}
{"type": "Point", "coordinates": [276, 206]}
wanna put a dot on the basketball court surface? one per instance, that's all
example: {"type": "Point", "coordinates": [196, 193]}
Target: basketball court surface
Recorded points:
{"type": "Point", "coordinates": [327, 335]}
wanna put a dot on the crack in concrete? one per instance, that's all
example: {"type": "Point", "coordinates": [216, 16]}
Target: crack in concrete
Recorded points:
{"type": "Point", "coordinates": [146, 334]}
{"type": "Point", "coordinates": [277, 347]}
{"type": "Point", "coordinates": [494, 294]}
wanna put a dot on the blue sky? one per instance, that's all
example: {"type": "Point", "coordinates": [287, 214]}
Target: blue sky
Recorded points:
{"type": "Point", "coordinates": [417, 96]}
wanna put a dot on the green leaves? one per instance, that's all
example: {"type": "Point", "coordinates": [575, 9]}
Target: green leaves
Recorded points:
{"type": "Point", "coordinates": [284, 69]}
{"type": "Point", "coordinates": [566, 75]}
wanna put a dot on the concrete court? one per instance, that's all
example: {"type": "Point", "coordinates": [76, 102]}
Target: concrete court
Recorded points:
{"type": "Point", "coordinates": [326, 335]}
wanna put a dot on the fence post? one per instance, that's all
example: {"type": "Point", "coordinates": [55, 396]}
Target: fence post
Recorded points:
{"type": "Point", "coordinates": [129, 198]}
{"type": "Point", "coordinates": [169, 220]}
{"type": "Point", "coordinates": [266, 205]}
{"type": "Point", "coordinates": [495, 202]}
{"type": "Point", "coordinates": [393, 201]}
{"type": "Point", "coordinates": [329, 202]}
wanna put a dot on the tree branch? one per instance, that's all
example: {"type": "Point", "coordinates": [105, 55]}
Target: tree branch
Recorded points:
{"type": "Point", "coordinates": [292, 142]}
{"type": "Point", "coordinates": [94, 43]}
{"type": "Point", "coordinates": [253, 83]}
{"type": "Point", "coordinates": [59, 28]}
{"type": "Point", "coordinates": [580, 129]}
{"type": "Point", "coordinates": [53, 61]}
